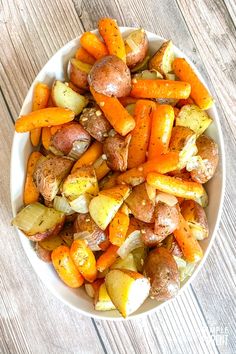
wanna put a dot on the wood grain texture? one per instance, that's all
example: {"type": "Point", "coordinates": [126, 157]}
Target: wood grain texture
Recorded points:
{"type": "Point", "coordinates": [32, 320]}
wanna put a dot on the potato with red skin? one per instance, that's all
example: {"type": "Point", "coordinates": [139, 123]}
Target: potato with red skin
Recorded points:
{"type": "Point", "coordinates": [140, 205]}
{"type": "Point", "coordinates": [43, 254]}
{"type": "Point", "coordinates": [166, 220]}
{"type": "Point", "coordinates": [133, 58]}
{"type": "Point", "coordinates": [110, 76]}
{"type": "Point", "coordinates": [116, 150]}
{"type": "Point", "coordinates": [161, 268]}
{"type": "Point", "coordinates": [49, 232]}
{"type": "Point", "coordinates": [73, 133]}
{"type": "Point", "coordinates": [208, 152]}
{"type": "Point", "coordinates": [78, 73]}
{"type": "Point", "coordinates": [94, 122]}
{"type": "Point", "coordinates": [148, 236]}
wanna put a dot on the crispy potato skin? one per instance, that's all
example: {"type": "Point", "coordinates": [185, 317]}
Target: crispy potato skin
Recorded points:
{"type": "Point", "coordinates": [49, 173]}
{"type": "Point", "coordinates": [160, 61]}
{"type": "Point", "coordinates": [162, 270]}
{"type": "Point", "coordinates": [110, 76]}
{"type": "Point", "coordinates": [172, 246]}
{"type": "Point", "coordinates": [51, 232]}
{"type": "Point", "coordinates": [64, 138]}
{"type": "Point", "coordinates": [166, 220]}
{"type": "Point", "coordinates": [148, 236]}
{"type": "Point", "coordinates": [94, 122]}
{"type": "Point", "coordinates": [116, 150]}
{"type": "Point", "coordinates": [133, 59]}
{"type": "Point", "coordinates": [140, 205]}
{"type": "Point", "coordinates": [208, 151]}
{"type": "Point", "coordinates": [195, 214]}
{"type": "Point", "coordinates": [43, 254]}
{"type": "Point", "coordinates": [78, 77]}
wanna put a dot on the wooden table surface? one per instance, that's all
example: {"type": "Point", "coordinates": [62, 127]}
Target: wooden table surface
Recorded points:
{"type": "Point", "coordinates": [202, 319]}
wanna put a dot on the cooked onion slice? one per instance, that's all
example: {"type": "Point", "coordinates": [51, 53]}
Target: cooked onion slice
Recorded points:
{"type": "Point", "coordinates": [166, 198]}
{"type": "Point", "coordinates": [132, 242]}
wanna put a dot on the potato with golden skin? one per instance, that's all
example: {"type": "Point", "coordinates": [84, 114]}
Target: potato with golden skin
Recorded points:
{"type": "Point", "coordinates": [110, 76]}
{"type": "Point", "coordinates": [140, 40]}
{"type": "Point", "coordinates": [195, 215]}
{"type": "Point", "coordinates": [161, 268]}
{"type": "Point", "coordinates": [162, 60]}
{"type": "Point", "coordinates": [116, 150]}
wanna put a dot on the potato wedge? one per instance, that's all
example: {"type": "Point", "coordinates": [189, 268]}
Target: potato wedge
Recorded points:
{"type": "Point", "coordinates": [162, 60]}
{"type": "Point", "coordinates": [183, 140]}
{"type": "Point", "coordinates": [127, 290]}
{"type": "Point", "coordinates": [136, 47]}
{"type": "Point", "coordinates": [195, 215]}
{"type": "Point", "coordinates": [49, 173]}
{"type": "Point", "coordinates": [78, 73]}
{"type": "Point", "coordinates": [127, 263]}
{"type": "Point", "coordinates": [148, 75]}
{"type": "Point", "coordinates": [52, 242]}
{"type": "Point", "coordinates": [64, 96]}
{"type": "Point", "coordinates": [193, 117]}
{"type": "Point", "coordinates": [102, 300]}
{"type": "Point", "coordinates": [104, 207]}
{"type": "Point", "coordinates": [39, 222]}
{"type": "Point", "coordinates": [83, 180]}
{"type": "Point", "coordinates": [43, 254]}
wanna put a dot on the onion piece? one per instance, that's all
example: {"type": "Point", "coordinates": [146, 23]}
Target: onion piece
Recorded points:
{"type": "Point", "coordinates": [79, 147]}
{"type": "Point", "coordinates": [61, 204]}
{"type": "Point", "coordinates": [30, 216]}
{"type": "Point", "coordinates": [89, 290]}
{"type": "Point", "coordinates": [185, 268]}
{"type": "Point", "coordinates": [151, 192]}
{"type": "Point", "coordinates": [133, 46]}
{"type": "Point", "coordinates": [132, 242]}
{"type": "Point", "coordinates": [81, 204]}
{"type": "Point", "coordinates": [166, 198]}
{"type": "Point", "coordinates": [90, 238]}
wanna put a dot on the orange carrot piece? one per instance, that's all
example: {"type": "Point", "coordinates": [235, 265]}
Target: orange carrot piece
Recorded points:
{"type": "Point", "coordinates": [89, 157]}
{"type": "Point", "coordinates": [40, 100]}
{"type": "Point", "coordinates": [176, 111]}
{"type": "Point", "coordinates": [84, 56]}
{"type": "Point", "coordinates": [160, 89]}
{"type": "Point", "coordinates": [127, 100]}
{"type": "Point", "coordinates": [162, 124]}
{"type": "Point", "coordinates": [183, 102]}
{"type": "Point", "coordinates": [199, 92]}
{"type": "Point", "coordinates": [141, 133]}
{"type": "Point", "coordinates": [111, 34]}
{"type": "Point", "coordinates": [107, 258]}
{"type": "Point", "coordinates": [66, 268]}
{"type": "Point", "coordinates": [163, 164]}
{"type": "Point", "coordinates": [111, 182]}
{"type": "Point", "coordinates": [115, 113]}
{"type": "Point", "coordinates": [46, 137]}
{"type": "Point", "coordinates": [176, 186]}
{"type": "Point", "coordinates": [31, 194]}
{"type": "Point", "coordinates": [94, 46]}
{"type": "Point", "coordinates": [43, 118]}
{"type": "Point", "coordinates": [84, 259]}
{"type": "Point", "coordinates": [101, 170]}
{"type": "Point", "coordinates": [118, 228]}
{"type": "Point", "coordinates": [189, 245]}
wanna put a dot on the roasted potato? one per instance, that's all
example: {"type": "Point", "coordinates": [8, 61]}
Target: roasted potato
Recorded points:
{"type": "Point", "coordinates": [172, 246]}
{"type": "Point", "coordinates": [86, 228]}
{"type": "Point", "coordinates": [191, 116]}
{"type": "Point", "coordinates": [195, 215]}
{"type": "Point", "coordinates": [162, 60]}
{"type": "Point", "coordinates": [148, 236]}
{"type": "Point", "coordinates": [67, 234]}
{"type": "Point", "coordinates": [50, 171]}
{"type": "Point", "coordinates": [140, 205]}
{"type": "Point", "coordinates": [141, 66]}
{"type": "Point", "coordinates": [78, 73]}
{"type": "Point", "coordinates": [136, 47]}
{"type": "Point", "coordinates": [52, 242]}
{"type": "Point", "coordinates": [38, 222]}
{"type": "Point", "coordinates": [166, 220]}
{"type": "Point", "coordinates": [94, 122]}
{"type": "Point", "coordinates": [148, 75]}
{"type": "Point", "coordinates": [82, 181]}
{"type": "Point", "coordinates": [203, 168]}
{"type": "Point", "coordinates": [127, 290]}
{"type": "Point", "coordinates": [161, 268]}
{"type": "Point", "coordinates": [71, 140]}
{"type": "Point", "coordinates": [116, 150]}
{"type": "Point", "coordinates": [102, 300]}
{"type": "Point", "coordinates": [104, 207]}
{"type": "Point", "coordinates": [64, 96]}
{"type": "Point", "coordinates": [43, 254]}
{"type": "Point", "coordinates": [110, 76]}
{"type": "Point", "coordinates": [183, 140]}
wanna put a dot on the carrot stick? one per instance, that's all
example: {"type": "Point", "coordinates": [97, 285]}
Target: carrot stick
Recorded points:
{"type": "Point", "coordinates": [160, 89]}
{"type": "Point", "coordinates": [65, 267]}
{"type": "Point", "coordinates": [107, 258]}
{"type": "Point", "coordinates": [115, 113]}
{"type": "Point", "coordinates": [43, 118]}
{"type": "Point", "coordinates": [84, 56]}
{"type": "Point", "coordinates": [164, 164]}
{"type": "Point", "coordinates": [118, 228]}
{"type": "Point", "coordinates": [40, 100]}
{"type": "Point", "coordinates": [101, 169]}
{"type": "Point", "coordinates": [31, 194]}
{"type": "Point", "coordinates": [89, 157]}
{"type": "Point", "coordinates": [177, 187]}
{"type": "Point", "coordinates": [46, 137]}
{"type": "Point", "coordinates": [127, 100]}
{"type": "Point", "coordinates": [162, 124]}
{"type": "Point", "coordinates": [112, 37]}
{"type": "Point", "coordinates": [183, 102]}
{"type": "Point", "coordinates": [94, 46]}
{"type": "Point", "coordinates": [189, 245]}
{"type": "Point", "coordinates": [84, 259]}
{"type": "Point", "coordinates": [199, 92]}
{"type": "Point", "coordinates": [141, 133]}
